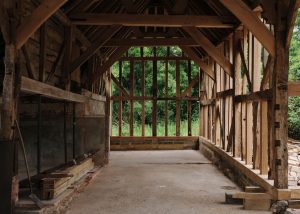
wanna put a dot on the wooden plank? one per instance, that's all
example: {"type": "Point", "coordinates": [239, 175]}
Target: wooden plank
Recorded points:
{"type": "Point", "coordinates": [43, 53]}
{"type": "Point", "coordinates": [151, 20]}
{"type": "Point", "coordinates": [32, 22]}
{"type": "Point", "coordinates": [178, 98]}
{"type": "Point", "coordinates": [193, 56]}
{"type": "Point", "coordinates": [211, 50]}
{"type": "Point", "coordinates": [35, 87]}
{"type": "Point", "coordinates": [252, 22]}
{"type": "Point", "coordinates": [256, 96]}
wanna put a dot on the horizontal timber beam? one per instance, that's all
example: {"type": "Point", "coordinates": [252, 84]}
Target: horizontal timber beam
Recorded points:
{"type": "Point", "coordinates": [152, 20]}
{"type": "Point", "coordinates": [35, 87]}
{"type": "Point", "coordinates": [142, 138]}
{"type": "Point", "coordinates": [32, 22]}
{"type": "Point", "coordinates": [151, 42]}
{"type": "Point", "coordinates": [252, 22]}
{"type": "Point", "coordinates": [294, 88]}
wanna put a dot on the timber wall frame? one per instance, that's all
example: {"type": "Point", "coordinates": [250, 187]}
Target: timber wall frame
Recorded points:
{"type": "Point", "coordinates": [242, 117]}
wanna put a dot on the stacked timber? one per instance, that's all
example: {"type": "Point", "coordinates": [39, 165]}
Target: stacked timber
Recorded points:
{"type": "Point", "coordinates": [53, 186]}
{"type": "Point", "coordinates": [294, 162]}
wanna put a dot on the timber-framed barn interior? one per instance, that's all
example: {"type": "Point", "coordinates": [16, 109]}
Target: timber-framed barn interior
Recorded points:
{"type": "Point", "coordinates": [70, 68]}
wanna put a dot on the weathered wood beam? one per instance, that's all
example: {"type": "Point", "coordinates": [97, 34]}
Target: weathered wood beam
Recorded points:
{"type": "Point", "coordinates": [210, 49]}
{"type": "Point", "coordinates": [35, 87]}
{"type": "Point", "coordinates": [203, 66]}
{"type": "Point", "coordinates": [252, 22]}
{"type": "Point", "coordinates": [106, 65]}
{"type": "Point", "coordinates": [35, 20]}
{"type": "Point", "coordinates": [94, 48]}
{"type": "Point", "coordinates": [191, 85]}
{"type": "Point", "coordinates": [243, 58]}
{"type": "Point", "coordinates": [151, 42]}
{"type": "Point", "coordinates": [292, 16]}
{"type": "Point", "coordinates": [120, 87]}
{"type": "Point", "coordinates": [294, 88]}
{"type": "Point", "coordinates": [152, 20]}
{"type": "Point", "coordinates": [30, 69]}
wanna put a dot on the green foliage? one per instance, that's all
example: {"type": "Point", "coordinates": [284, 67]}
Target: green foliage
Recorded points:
{"type": "Point", "coordinates": [161, 92]}
{"type": "Point", "coordinates": [294, 74]}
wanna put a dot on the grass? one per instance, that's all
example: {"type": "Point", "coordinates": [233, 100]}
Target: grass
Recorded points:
{"type": "Point", "coordinates": [137, 129]}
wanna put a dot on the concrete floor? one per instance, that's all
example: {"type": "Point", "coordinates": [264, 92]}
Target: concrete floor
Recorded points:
{"type": "Point", "coordinates": [159, 182]}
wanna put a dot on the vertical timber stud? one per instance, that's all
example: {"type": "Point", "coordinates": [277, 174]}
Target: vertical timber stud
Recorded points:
{"type": "Point", "coordinates": [177, 98]}
{"type": "Point", "coordinates": [167, 94]}
{"type": "Point", "coordinates": [120, 100]}
{"type": "Point", "coordinates": [107, 115]}
{"type": "Point", "coordinates": [74, 129]}
{"type": "Point", "coordinates": [280, 104]}
{"type": "Point", "coordinates": [131, 96]}
{"type": "Point", "coordinates": [189, 106]}
{"type": "Point", "coordinates": [8, 182]}
{"type": "Point", "coordinates": [154, 89]}
{"type": "Point", "coordinates": [68, 57]}
{"type": "Point", "coordinates": [143, 92]}
{"type": "Point", "coordinates": [237, 91]}
{"type": "Point", "coordinates": [39, 123]}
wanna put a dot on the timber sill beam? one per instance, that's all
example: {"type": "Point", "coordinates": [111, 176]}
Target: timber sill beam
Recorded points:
{"type": "Point", "coordinates": [35, 87]}
{"type": "Point", "coordinates": [252, 22]}
{"type": "Point", "coordinates": [35, 20]}
{"type": "Point", "coordinates": [152, 20]}
{"type": "Point", "coordinates": [253, 175]}
{"type": "Point", "coordinates": [211, 50]}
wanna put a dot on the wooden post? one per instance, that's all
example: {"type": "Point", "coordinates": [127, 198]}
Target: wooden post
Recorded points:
{"type": "Point", "coordinates": [107, 115]}
{"type": "Point", "coordinates": [120, 110]}
{"type": "Point", "coordinates": [237, 91]}
{"type": "Point", "coordinates": [154, 91]}
{"type": "Point", "coordinates": [143, 93]}
{"type": "Point", "coordinates": [167, 94]}
{"type": "Point", "coordinates": [189, 106]}
{"type": "Point", "coordinates": [177, 98]}
{"type": "Point", "coordinates": [131, 120]}
{"type": "Point", "coordinates": [280, 103]}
